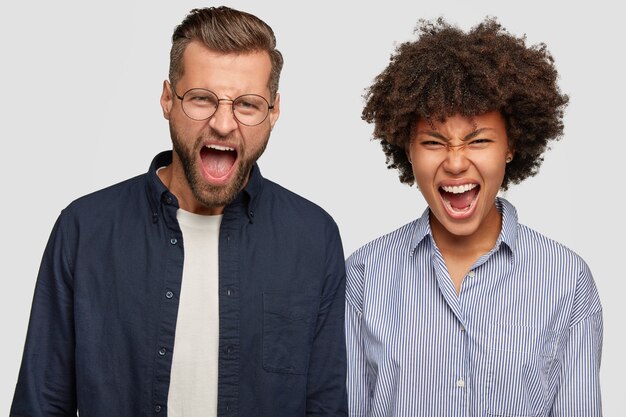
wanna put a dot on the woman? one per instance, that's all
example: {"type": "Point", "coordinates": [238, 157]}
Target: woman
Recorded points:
{"type": "Point", "coordinates": [466, 312]}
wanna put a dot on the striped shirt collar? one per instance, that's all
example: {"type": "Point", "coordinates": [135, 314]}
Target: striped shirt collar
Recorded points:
{"type": "Point", "coordinates": [508, 233]}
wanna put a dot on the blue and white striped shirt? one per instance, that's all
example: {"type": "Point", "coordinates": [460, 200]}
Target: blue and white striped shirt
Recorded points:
{"type": "Point", "coordinates": [523, 337]}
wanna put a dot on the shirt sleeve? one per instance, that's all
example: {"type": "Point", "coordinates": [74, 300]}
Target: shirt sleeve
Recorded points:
{"type": "Point", "coordinates": [326, 386]}
{"type": "Point", "coordinates": [46, 381]}
{"type": "Point", "coordinates": [578, 393]}
{"type": "Point", "coordinates": [357, 382]}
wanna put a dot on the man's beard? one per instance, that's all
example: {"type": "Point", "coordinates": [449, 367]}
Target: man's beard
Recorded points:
{"type": "Point", "coordinates": [209, 195]}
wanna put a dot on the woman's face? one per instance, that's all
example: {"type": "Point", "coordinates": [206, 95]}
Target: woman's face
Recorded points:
{"type": "Point", "coordinates": [459, 167]}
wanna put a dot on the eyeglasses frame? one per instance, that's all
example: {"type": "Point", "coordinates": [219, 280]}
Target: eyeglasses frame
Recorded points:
{"type": "Point", "coordinates": [219, 100]}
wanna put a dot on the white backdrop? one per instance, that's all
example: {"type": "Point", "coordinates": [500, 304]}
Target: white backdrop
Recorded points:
{"type": "Point", "coordinates": [80, 111]}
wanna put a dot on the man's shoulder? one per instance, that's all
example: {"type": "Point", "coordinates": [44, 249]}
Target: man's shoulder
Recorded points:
{"type": "Point", "coordinates": [285, 202]}
{"type": "Point", "coordinates": [118, 195]}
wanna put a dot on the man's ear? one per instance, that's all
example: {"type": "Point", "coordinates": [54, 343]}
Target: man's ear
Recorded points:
{"type": "Point", "coordinates": [275, 112]}
{"type": "Point", "coordinates": [167, 99]}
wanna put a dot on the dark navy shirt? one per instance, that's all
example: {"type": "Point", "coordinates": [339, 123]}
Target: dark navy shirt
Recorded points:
{"type": "Point", "coordinates": [103, 318]}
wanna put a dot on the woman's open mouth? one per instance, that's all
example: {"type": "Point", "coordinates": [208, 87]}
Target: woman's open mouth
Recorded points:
{"type": "Point", "coordinates": [459, 200]}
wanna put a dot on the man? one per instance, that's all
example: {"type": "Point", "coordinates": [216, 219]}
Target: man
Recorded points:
{"type": "Point", "coordinates": [465, 311]}
{"type": "Point", "coordinates": [199, 288]}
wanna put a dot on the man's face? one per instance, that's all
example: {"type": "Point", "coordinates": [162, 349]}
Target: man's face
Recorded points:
{"type": "Point", "coordinates": [459, 167]}
{"type": "Point", "coordinates": [212, 158]}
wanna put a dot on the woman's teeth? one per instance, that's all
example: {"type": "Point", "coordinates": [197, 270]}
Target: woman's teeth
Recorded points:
{"type": "Point", "coordinates": [458, 189]}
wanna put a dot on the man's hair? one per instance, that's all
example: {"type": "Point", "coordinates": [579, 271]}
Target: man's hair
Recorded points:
{"type": "Point", "coordinates": [225, 30]}
{"type": "Point", "coordinates": [447, 71]}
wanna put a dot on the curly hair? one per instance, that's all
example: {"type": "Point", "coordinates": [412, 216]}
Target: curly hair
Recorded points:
{"type": "Point", "coordinates": [447, 71]}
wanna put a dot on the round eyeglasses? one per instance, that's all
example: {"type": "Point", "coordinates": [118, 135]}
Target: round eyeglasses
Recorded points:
{"type": "Point", "coordinates": [201, 104]}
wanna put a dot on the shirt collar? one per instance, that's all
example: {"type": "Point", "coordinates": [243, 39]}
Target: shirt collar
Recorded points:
{"type": "Point", "coordinates": [158, 192]}
{"type": "Point", "coordinates": [421, 229]}
{"type": "Point", "coordinates": [249, 196]}
{"type": "Point", "coordinates": [508, 233]}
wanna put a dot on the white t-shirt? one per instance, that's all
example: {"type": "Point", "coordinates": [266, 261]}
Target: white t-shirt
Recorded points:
{"type": "Point", "coordinates": [193, 384]}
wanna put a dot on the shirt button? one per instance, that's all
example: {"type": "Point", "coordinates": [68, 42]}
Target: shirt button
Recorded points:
{"type": "Point", "coordinates": [228, 407]}
{"type": "Point", "coordinates": [173, 241]}
{"type": "Point", "coordinates": [462, 329]}
{"type": "Point", "coordinates": [168, 200]}
{"type": "Point", "coordinates": [229, 292]}
{"type": "Point", "coordinates": [162, 351]}
{"type": "Point", "coordinates": [471, 274]}
{"type": "Point", "coordinates": [169, 295]}
{"type": "Point", "coordinates": [157, 408]}
{"type": "Point", "coordinates": [229, 349]}
{"type": "Point", "coordinates": [460, 383]}
{"type": "Point", "coordinates": [251, 213]}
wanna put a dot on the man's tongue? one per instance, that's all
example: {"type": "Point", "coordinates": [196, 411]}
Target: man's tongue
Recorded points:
{"type": "Point", "coordinates": [217, 163]}
{"type": "Point", "coordinates": [460, 201]}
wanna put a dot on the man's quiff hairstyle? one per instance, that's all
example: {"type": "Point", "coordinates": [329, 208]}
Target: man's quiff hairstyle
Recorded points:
{"type": "Point", "coordinates": [447, 71]}
{"type": "Point", "coordinates": [225, 30]}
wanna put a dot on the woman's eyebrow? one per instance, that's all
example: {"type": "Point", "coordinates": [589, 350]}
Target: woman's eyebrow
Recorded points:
{"type": "Point", "coordinates": [467, 137]}
{"type": "Point", "coordinates": [476, 133]}
{"type": "Point", "coordinates": [433, 134]}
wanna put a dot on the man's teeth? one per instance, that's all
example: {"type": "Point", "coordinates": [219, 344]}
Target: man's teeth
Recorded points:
{"type": "Point", "coordinates": [220, 148]}
{"type": "Point", "coordinates": [458, 189]}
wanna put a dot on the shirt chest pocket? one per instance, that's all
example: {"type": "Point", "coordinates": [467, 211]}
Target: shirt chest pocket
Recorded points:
{"type": "Point", "coordinates": [520, 360]}
{"type": "Point", "coordinates": [288, 328]}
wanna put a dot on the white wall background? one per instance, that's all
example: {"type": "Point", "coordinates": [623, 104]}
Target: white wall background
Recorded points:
{"type": "Point", "coordinates": [80, 110]}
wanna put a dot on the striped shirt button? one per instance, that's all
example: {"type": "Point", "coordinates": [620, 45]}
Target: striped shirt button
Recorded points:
{"type": "Point", "coordinates": [460, 383]}
{"type": "Point", "coordinates": [471, 274]}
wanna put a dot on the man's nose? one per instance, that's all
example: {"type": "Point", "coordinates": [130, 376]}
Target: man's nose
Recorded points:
{"type": "Point", "coordinates": [223, 120]}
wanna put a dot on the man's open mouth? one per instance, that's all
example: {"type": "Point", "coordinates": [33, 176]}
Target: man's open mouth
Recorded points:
{"type": "Point", "coordinates": [218, 160]}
